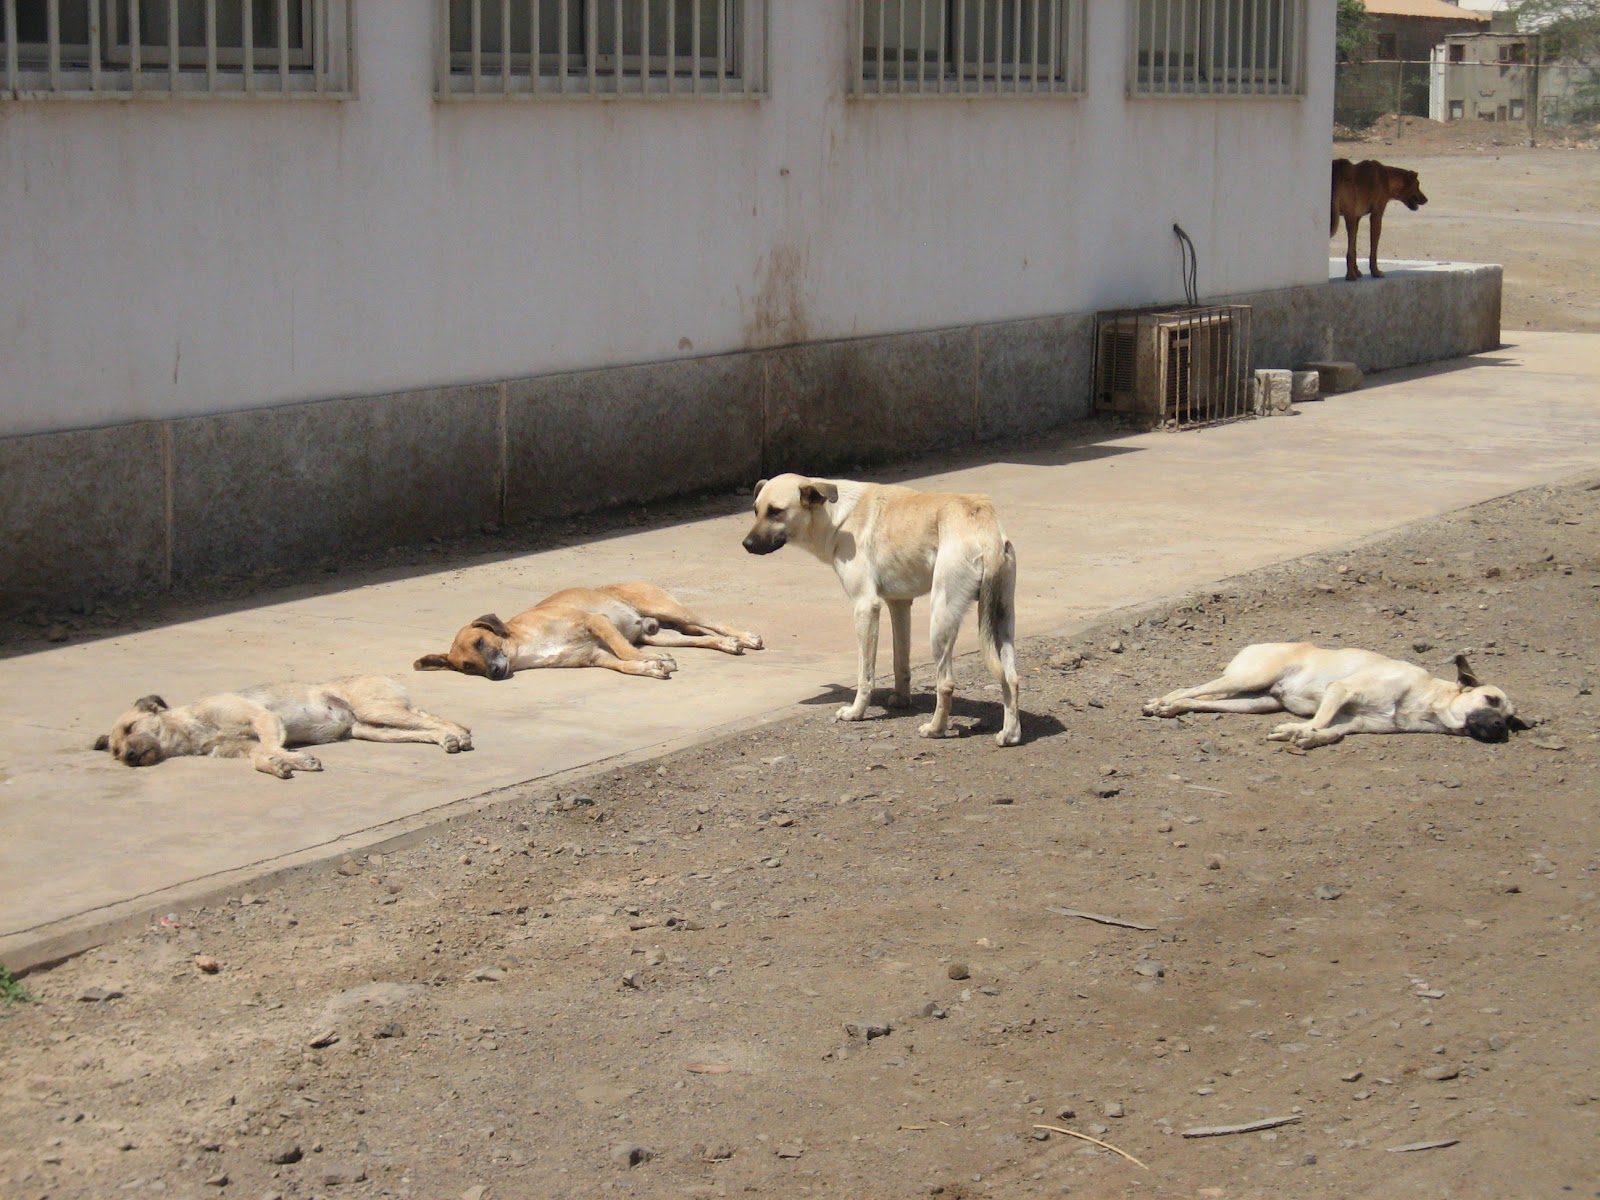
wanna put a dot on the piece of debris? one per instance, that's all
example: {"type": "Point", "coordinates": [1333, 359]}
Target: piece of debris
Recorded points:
{"type": "Point", "coordinates": [632, 1154]}
{"type": "Point", "coordinates": [487, 975]}
{"type": "Point", "coordinates": [867, 1030]}
{"type": "Point", "coordinates": [324, 1039]}
{"type": "Point", "coordinates": [1104, 920]}
{"type": "Point", "coordinates": [1441, 1073]}
{"type": "Point", "coordinates": [1103, 1145]}
{"type": "Point", "coordinates": [96, 994]}
{"type": "Point", "coordinates": [206, 963]}
{"type": "Point", "coordinates": [789, 1150]}
{"type": "Point", "coordinates": [1201, 1131]}
{"type": "Point", "coordinates": [707, 1068]}
{"type": "Point", "coordinates": [1438, 1145]}
{"type": "Point", "coordinates": [1326, 891]}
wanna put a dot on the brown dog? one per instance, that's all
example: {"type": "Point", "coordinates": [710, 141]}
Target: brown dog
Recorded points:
{"type": "Point", "coordinates": [1364, 189]}
{"type": "Point", "coordinates": [258, 722]}
{"type": "Point", "coordinates": [587, 627]}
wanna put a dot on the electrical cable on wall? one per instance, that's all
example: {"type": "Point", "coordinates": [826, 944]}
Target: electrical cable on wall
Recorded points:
{"type": "Point", "coordinates": [1191, 266]}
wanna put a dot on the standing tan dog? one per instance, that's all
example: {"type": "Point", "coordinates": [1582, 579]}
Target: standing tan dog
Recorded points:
{"type": "Point", "coordinates": [1364, 189]}
{"type": "Point", "coordinates": [1344, 692]}
{"type": "Point", "coordinates": [258, 722]}
{"type": "Point", "coordinates": [587, 627]}
{"type": "Point", "coordinates": [889, 545]}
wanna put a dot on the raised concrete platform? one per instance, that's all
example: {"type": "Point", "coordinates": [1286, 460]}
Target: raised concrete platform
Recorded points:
{"type": "Point", "coordinates": [1130, 520]}
{"type": "Point", "coordinates": [244, 492]}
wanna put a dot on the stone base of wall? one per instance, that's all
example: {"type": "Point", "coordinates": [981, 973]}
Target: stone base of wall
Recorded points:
{"type": "Point", "coordinates": [149, 505]}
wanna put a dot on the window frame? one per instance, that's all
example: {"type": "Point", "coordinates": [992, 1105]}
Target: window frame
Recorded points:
{"type": "Point", "coordinates": [1201, 74]}
{"type": "Point", "coordinates": [951, 72]}
{"type": "Point", "coordinates": [735, 68]}
{"type": "Point", "coordinates": [107, 65]}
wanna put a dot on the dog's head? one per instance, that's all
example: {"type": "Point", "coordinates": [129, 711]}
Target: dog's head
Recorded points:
{"type": "Point", "coordinates": [1406, 188]}
{"type": "Point", "coordinates": [136, 737]}
{"type": "Point", "coordinates": [482, 648]}
{"type": "Point", "coordinates": [788, 508]}
{"type": "Point", "coordinates": [1484, 711]}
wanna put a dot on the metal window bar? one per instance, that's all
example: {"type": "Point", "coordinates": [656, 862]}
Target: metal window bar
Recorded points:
{"type": "Point", "coordinates": [605, 49]}
{"type": "Point", "coordinates": [1177, 368]}
{"type": "Point", "coordinates": [982, 48]}
{"type": "Point", "coordinates": [114, 49]}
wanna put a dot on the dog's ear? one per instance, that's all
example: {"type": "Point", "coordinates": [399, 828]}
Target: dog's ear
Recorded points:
{"type": "Point", "coordinates": [1465, 675]}
{"type": "Point", "coordinates": [493, 624]}
{"type": "Point", "coordinates": [818, 491]}
{"type": "Point", "coordinates": [150, 704]}
{"type": "Point", "coordinates": [103, 742]}
{"type": "Point", "coordinates": [432, 662]}
{"type": "Point", "coordinates": [1517, 724]}
{"type": "Point", "coordinates": [760, 483]}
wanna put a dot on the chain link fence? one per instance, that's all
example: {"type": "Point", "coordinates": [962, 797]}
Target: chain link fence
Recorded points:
{"type": "Point", "coordinates": [1559, 95]}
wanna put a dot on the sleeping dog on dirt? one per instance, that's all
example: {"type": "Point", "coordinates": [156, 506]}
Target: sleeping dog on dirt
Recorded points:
{"type": "Point", "coordinates": [1346, 691]}
{"type": "Point", "coordinates": [588, 627]}
{"type": "Point", "coordinates": [259, 722]}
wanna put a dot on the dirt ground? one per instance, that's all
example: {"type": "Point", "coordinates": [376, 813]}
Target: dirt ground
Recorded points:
{"type": "Point", "coordinates": [818, 959]}
{"type": "Point", "coordinates": [822, 960]}
{"type": "Point", "coordinates": [1493, 199]}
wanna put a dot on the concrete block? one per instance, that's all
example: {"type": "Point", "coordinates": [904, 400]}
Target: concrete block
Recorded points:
{"type": "Point", "coordinates": [1271, 392]}
{"type": "Point", "coordinates": [1306, 385]}
{"type": "Point", "coordinates": [83, 515]}
{"type": "Point", "coordinates": [833, 405]}
{"type": "Point", "coordinates": [1336, 376]}
{"type": "Point", "coordinates": [306, 483]}
{"type": "Point", "coordinates": [1034, 375]}
{"type": "Point", "coordinates": [598, 439]}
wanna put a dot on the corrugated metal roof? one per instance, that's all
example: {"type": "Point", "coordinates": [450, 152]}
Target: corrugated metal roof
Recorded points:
{"type": "Point", "coordinates": [1423, 8]}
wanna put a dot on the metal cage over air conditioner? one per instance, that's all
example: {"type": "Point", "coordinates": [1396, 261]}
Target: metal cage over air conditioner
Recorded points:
{"type": "Point", "coordinates": [1174, 368]}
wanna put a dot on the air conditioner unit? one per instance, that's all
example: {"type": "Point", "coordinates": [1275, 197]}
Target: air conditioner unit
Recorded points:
{"type": "Point", "coordinates": [1174, 368]}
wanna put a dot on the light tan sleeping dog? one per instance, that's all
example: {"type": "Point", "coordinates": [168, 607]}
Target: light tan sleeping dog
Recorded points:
{"type": "Point", "coordinates": [588, 627]}
{"type": "Point", "coordinates": [888, 545]}
{"type": "Point", "coordinates": [259, 722]}
{"type": "Point", "coordinates": [1346, 691]}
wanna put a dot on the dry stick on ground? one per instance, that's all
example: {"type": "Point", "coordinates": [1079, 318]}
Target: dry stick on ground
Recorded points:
{"type": "Point", "coordinates": [1439, 1145]}
{"type": "Point", "coordinates": [1096, 1141]}
{"type": "Point", "coordinates": [1089, 916]}
{"type": "Point", "coordinates": [1247, 1127]}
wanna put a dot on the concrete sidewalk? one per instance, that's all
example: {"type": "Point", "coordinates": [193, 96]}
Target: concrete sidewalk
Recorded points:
{"type": "Point", "coordinates": [90, 843]}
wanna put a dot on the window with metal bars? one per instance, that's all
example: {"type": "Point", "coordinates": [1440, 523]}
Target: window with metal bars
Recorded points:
{"type": "Point", "coordinates": [969, 47]}
{"type": "Point", "coordinates": [1217, 48]}
{"type": "Point", "coordinates": [118, 48]}
{"type": "Point", "coordinates": [606, 48]}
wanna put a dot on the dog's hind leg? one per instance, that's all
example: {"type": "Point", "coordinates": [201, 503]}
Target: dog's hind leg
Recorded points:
{"type": "Point", "coordinates": [1168, 707]}
{"type": "Point", "coordinates": [951, 596]}
{"type": "Point", "coordinates": [666, 636]}
{"type": "Point", "coordinates": [900, 635]}
{"type": "Point", "coordinates": [656, 602]}
{"type": "Point", "coordinates": [1351, 271]}
{"type": "Point", "coordinates": [1374, 228]}
{"type": "Point", "coordinates": [997, 630]}
{"type": "Point", "coordinates": [412, 725]}
{"type": "Point", "coordinates": [615, 653]}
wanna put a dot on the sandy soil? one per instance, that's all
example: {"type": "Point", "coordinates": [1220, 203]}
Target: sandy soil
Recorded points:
{"type": "Point", "coordinates": [1493, 199]}
{"type": "Point", "coordinates": [816, 959]}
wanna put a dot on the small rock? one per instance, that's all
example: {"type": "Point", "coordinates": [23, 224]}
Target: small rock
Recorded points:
{"type": "Point", "coordinates": [220, 1179]}
{"type": "Point", "coordinates": [286, 1155]}
{"type": "Point", "coordinates": [338, 1174]}
{"type": "Point", "coordinates": [1213, 862]}
{"type": "Point", "coordinates": [207, 964]}
{"type": "Point", "coordinates": [867, 1030]}
{"type": "Point", "coordinates": [1326, 891]}
{"type": "Point", "coordinates": [326, 1038]}
{"type": "Point", "coordinates": [389, 1030]}
{"type": "Point", "coordinates": [631, 1154]}
{"type": "Point", "coordinates": [1105, 790]}
{"type": "Point", "coordinates": [1066, 1112]}
{"type": "Point", "coordinates": [1441, 1073]}
{"type": "Point", "coordinates": [487, 975]}
{"type": "Point", "coordinates": [1114, 1109]}
{"type": "Point", "coordinates": [959, 970]}
{"type": "Point", "coordinates": [1149, 968]}
{"type": "Point", "coordinates": [789, 1150]}
{"type": "Point", "coordinates": [96, 994]}
{"type": "Point", "coordinates": [1116, 646]}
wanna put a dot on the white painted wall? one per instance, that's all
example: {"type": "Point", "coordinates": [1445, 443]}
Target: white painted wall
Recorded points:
{"type": "Point", "coordinates": [162, 259]}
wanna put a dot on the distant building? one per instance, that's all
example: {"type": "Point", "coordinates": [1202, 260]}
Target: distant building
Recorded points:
{"type": "Point", "coordinates": [1394, 74]}
{"type": "Point", "coordinates": [1408, 30]}
{"type": "Point", "coordinates": [1484, 77]}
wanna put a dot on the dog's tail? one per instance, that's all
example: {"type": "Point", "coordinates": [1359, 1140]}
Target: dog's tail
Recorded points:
{"type": "Point", "coordinates": [997, 631]}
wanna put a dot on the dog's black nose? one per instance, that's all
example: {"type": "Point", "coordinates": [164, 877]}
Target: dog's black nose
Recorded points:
{"type": "Point", "coordinates": [1487, 725]}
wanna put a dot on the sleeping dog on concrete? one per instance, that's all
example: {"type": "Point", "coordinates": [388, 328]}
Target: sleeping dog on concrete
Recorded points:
{"type": "Point", "coordinates": [1346, 691]}
{"type": "Point", "coordinates": [259, 722]}
{"type": "Point", "coordinates": [588, 627]}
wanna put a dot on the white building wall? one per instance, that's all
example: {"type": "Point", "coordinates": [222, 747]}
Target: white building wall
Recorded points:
{"type": "Point", "coordinates": [167, 259]}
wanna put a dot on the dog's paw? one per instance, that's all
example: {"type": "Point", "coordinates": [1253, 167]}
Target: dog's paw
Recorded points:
{"type": "Point", "coordinates": [752, 641]}
{"type": "Point", "coordinates": [850, 713]}
{"type": "Point", "coordinates": [933, 729]}
{"type": "Point", "coordinates": [729, 645]}
{"type": "Point", "coordinates": [898, 700]}
{"type": "Point", "coordinates": [1008, 737]}
{"type": "Point", "coordinates": [305, 762]}
{"type": "Point", "coordinates": [454, 745]}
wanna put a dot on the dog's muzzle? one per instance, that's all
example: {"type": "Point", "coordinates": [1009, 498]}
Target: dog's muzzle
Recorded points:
{"type": "Point", "coordinates": [1487, 725]}
{"type": "Point", "coordinates": [141, 752]}
{"type": "Point", "coordinates": [757, 543]}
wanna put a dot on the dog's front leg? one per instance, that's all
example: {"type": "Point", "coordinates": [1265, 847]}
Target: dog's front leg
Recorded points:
{"type": "Point", "coordinates": [269, 756]}
{"type": "Point", "coordinates": [1374, 229]}
{"type": "Point", "coordinates": [867, 664]}
{"type": "Point", "coordinates": [1320, 730]}
{"type": "Point", "coordinates": [900, 631]}
{"type": "Point", "coordinates": [1351, 271]}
